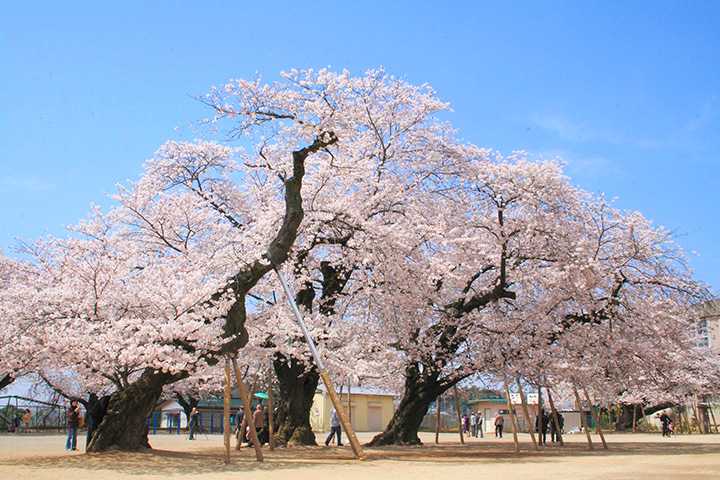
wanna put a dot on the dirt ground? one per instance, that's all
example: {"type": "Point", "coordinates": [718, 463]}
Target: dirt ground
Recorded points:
{"type": "Point", "coordinates": [630, 456]}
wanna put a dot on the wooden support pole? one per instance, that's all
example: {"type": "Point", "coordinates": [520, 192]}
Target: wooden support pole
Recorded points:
{"type": "Point", "coordinates": [598, 430]}
{"type": "Point", "coordinates": [437, 419]}
{"type": "Point", "coordinates": [712, 415]}
{"type": "Point", "coordinates": [457, 411]}
{"type": "Point", "coordinates": [244, 423]}
{"type": "Point", "coordinates": [634, 417]}
{"type": "Point", "coordinates": [512, 418]}
{"type": "Point", "coordinates": [582, 419]}
{"type": "Point", "coordinates": [271, 413]}
{"type": "Point", "coordinates": [697, 417]}
{"type": "Point", "coordinates": [349, 410]}
{"type": "Point", "coordinates": [555, 415]}
{"type": "Point", "coordinates": [344, 421]}
{"type": "Point", "coordinates": [227, 393]}
{"type": "Point", "coordinates": [539, 405]}
{"type": "Point", "coordinates": [248, 413]}
{"type": "Point", "coordinates": [527, 414]}
{"type": "Point", "coordinates": [687, 419]}
{"type": "Point", "coordinates": [678, 419]}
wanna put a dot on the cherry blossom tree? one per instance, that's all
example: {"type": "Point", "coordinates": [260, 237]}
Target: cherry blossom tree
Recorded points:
{"type": "Point", "coordinates": [622, 314]}
{"type": "Point", "coordinates": [500, 228]}
{"type": "Point", "coordinates": [112, 315]}
{"type": "Point", "coordinates": [240, 220]}
{"type": "Point", "coordinates": [391, 146]}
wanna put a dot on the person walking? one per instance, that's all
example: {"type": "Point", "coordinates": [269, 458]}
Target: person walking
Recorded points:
{"type": "Point", "coordinates": [665, 422]}
{"type": "Point", "coordinates": [334, 428]}
{"type": "Point", "coordinates": [73, 423]}
{"type": "Point", "coordinates": [499, 423]}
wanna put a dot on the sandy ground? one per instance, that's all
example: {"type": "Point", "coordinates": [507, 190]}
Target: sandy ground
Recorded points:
{"type": "Point", "coordinates": [630, 456]}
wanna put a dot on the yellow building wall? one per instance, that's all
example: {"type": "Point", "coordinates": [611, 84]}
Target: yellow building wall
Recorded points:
{"type": "Point", "coordinates": [363, 407]}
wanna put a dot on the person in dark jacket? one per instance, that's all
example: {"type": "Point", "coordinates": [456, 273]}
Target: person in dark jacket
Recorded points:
{"type": "Point", "coordinates": [73, 423]}
{"type": "Point", "coordinates": [541, 426]}
{"type": "Point", "coordinates": [193, 424]}
{"type": "Point", "coordinates": [556, 430]}
{"type": "Point", "coordinates": [665, 422]}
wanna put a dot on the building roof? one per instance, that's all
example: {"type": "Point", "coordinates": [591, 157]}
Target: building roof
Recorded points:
{"type": "Point", "coordinates": [359, 391]}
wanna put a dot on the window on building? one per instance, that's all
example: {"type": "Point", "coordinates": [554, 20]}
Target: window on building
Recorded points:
{"type": "Point", "coordinates": [700, 330]}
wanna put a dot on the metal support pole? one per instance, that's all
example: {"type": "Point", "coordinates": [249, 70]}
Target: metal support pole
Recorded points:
{"type": "Point", "coordinates": [323, 373]}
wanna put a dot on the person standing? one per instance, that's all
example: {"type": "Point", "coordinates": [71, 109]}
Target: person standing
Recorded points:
{"type": "Point", "coordinates": [334, 428]}
{"type": "Point", "coordinates": [499, 423]}
{"type": "Point", "coordinates": [193, 423]}
{"type": "Point", "coordinates": [73, 423]}
{"type": "Point", "coordinates": [541, 427]}
{"type": "Point", "coordinates": [473, 424]}
{"type": "Point", "coordinates": [258, 420]}
{"type": "Point", "coordinates": [480, 424]}
{"type": "Point", "coordinates": [239, 417]}
{"type": "Point", "coordinates": [553, 430]}
{"type": "Point", "coordinates": [27, 417]}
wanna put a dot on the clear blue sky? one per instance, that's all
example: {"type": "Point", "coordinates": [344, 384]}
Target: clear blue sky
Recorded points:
{"type": "Point", "coordinates": [625, 92]}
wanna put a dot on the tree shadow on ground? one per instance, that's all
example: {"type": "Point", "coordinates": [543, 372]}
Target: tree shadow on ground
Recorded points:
{"type": "Point", "coordinates": [210, 460]}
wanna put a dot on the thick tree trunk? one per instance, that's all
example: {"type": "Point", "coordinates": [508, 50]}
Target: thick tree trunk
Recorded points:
{"type": "Point", "coordinates": [626, 418]}
{"type": "Point", "coordinates": [296, 390]}
{"type": "Point", "coordinates": [420, 392]}
{"type": "Point", "coordinates": [124, 427]}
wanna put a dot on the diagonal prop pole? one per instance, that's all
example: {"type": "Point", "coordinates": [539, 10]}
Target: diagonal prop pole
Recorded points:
{"type": "Point", "coordinates": [323, 373]}
{"type": "Point", "coordinates": [527, 414]}
{"type": "Point", "coordinates": [598, 430]}
{"type": "Point", "coordinates": [247, 404]}
{"type": "Point", "coordinates": [583, 422]}
{"type": "Point", "coordinates": [512, 418]}
{"type": "Point", "coordinates": [558, 429]}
